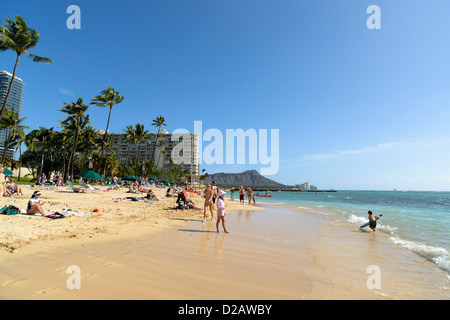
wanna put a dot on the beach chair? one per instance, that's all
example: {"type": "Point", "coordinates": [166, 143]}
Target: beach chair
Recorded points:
{"type": "Point", "coordinates": [77, 190]}
{"type": "Point", "coordinates": [83, 184]}
{"type": "Point", "coordinates": [87, 185]}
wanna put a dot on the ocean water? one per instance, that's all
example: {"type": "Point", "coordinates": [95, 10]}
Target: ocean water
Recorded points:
{"type": "Point", "coordinates": [418, 221]}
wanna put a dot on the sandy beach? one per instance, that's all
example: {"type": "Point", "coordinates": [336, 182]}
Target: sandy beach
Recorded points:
{"type": "Point", "coordinates": [148, 250]}
{"type": "Point", "coordinates": [135, 250]}
{"type": "Point", "coordinates": [103, 214]}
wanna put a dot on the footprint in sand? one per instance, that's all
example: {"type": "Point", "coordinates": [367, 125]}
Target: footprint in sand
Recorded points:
{"type": "Point", "coordinates": [11, 282]}
{"type": "Point", "coordinates": [44, 291]}
{"type": "Point", "coordinates": [87, 275]}
{"type": "Point", "coordinates": [111, 264]}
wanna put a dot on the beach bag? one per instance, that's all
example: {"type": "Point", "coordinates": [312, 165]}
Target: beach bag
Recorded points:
{"type": "Point", "coordinates": [4, 209]}
{"type": "Point", "coordinates": [12, 210]}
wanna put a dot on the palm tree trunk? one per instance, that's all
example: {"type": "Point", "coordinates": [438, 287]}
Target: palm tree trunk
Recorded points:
{"type": "Point", "coordinates": [104, 139]}
{"type": "Point", "coordinates": [128, 152]}
{"type": "Point", "coordinates": [20, 159]}
{"type": "Point", "coordinates": [84, 161]}
{"type": "Point", "coordinates": [73, 151]}
{"type": "Point", "coordinates": [5, 148]}
{"type": "Point", "coordinates": [42, 163]}
{"type": "Point", "coordinates": [139, 156]}
{"type": "Point", "coordinates": [10, 87]}
{"type": "Point", "coordinates": [156, 142]}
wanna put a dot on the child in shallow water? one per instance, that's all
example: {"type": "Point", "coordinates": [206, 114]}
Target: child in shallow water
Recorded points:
{"type": "Point", "coordinates": [372, 221]}
{"type": "Point", "coordinates": [221, 212]}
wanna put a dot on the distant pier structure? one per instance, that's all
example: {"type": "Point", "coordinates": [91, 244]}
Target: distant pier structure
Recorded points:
{"type": "Point", "coordinates": [291, 190]}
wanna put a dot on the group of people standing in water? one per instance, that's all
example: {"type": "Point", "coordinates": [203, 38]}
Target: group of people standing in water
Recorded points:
{"type": "Point", "coordinates": [250, 195]}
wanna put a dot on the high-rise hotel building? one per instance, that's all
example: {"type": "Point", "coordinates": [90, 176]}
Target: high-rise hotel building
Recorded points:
{"type": "Point", "coordinates": [125, 150]}
{"type": "Point", "coordinates": [14, 102]}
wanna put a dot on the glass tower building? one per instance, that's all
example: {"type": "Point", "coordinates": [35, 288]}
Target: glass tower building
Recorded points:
{"type": "Point", "coordinates": [14, 102]}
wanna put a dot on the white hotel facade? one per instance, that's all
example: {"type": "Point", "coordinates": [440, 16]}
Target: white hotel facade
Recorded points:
{"type": "Point", "coordinates": [126, 150]}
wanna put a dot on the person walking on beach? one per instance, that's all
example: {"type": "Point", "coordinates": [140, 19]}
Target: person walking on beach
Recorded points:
{"type": "Point", "coordinates": [372, 221]}
{"type": "Point", "coordinates": [232, 194]}
{"type": "Point", "coordinates": [241, 195]}
{"type": "Point", "coordinates": [208, 202]}
{"type": "Point", "coordinates": [221, 212]}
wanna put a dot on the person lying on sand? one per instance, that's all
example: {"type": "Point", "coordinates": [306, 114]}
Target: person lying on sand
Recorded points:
{"type": "Point", "coordinates": [136, 188]}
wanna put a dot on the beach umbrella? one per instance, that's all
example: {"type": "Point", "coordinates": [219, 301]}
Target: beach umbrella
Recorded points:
{"type": "Point", "coordinates": [88, 174]}
{"type": "Point", "coordinates": [7, 172]}
{"type": "Point", "coordinates": [129, 177]}
{"type": "Point", "coordinates": [153, 179]}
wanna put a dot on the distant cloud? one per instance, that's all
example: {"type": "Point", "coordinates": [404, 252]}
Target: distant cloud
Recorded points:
{"type": "Point", "coordinates": [400, 147]}
{"type": "Point", "coordinates": [66, 92]}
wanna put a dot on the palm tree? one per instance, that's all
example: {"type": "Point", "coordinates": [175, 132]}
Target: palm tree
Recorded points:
{"type": "Point", "coordinates": [111, 164]}
{"type": "Point", "coordinates": [129, 136]}
{"type": "Point", "coordinates": [88, 142]}
{"type": "Point", "coordinates": [75, 120]}
{"type": "Point", "coordinates": [108, 144]}
{"type": "Point", "coordinates": [162, 151]}
{"type": "Point", "coordinates": [18, 37]}
{"type": "Point", "coordinates": [10, 122]}
{"type": "Point", "coordinates": [21, 138]}
{"type": "Point", "coordinates": [158, 122]}
{"type": "Point", "coordinates": [107, 98]}
{"type": "Point", "coordinates": [42, 136]}
{"type": "Point", "coordinates": [139, 135]}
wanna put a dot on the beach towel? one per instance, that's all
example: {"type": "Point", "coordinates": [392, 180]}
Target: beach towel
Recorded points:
{"type": "Point", "coordinates": [64, 213]}
{"type": "Point", "coordinates": [55, 215]}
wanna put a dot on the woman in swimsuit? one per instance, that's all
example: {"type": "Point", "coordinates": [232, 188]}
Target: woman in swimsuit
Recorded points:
{"type": "Point", "coordinates": [35, 204]}
{"type": "Point", "coordinates": [208, 194]}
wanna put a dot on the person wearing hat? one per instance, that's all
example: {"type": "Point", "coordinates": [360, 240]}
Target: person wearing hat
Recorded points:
{"type": "Point", "coordinates": [35, 204]}
{"type": "Point", "coordinates": [221, 211]}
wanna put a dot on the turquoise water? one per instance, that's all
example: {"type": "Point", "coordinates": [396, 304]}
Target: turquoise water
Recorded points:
{"type": "Point", "coordinates": [419, 221]}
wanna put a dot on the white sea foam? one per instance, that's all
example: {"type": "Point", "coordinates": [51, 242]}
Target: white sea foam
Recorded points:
{"type": "Point", "coordinates": [438, 255]}
{"type": "Point", "coordinates": [355, 219]}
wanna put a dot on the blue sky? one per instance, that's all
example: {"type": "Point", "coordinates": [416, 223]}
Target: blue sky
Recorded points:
{"type": "Point", "coordinates": [355, 108]}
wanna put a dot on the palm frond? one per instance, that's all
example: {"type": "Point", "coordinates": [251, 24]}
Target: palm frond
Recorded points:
{"type": "Point", "coordinates": [38, 59]}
